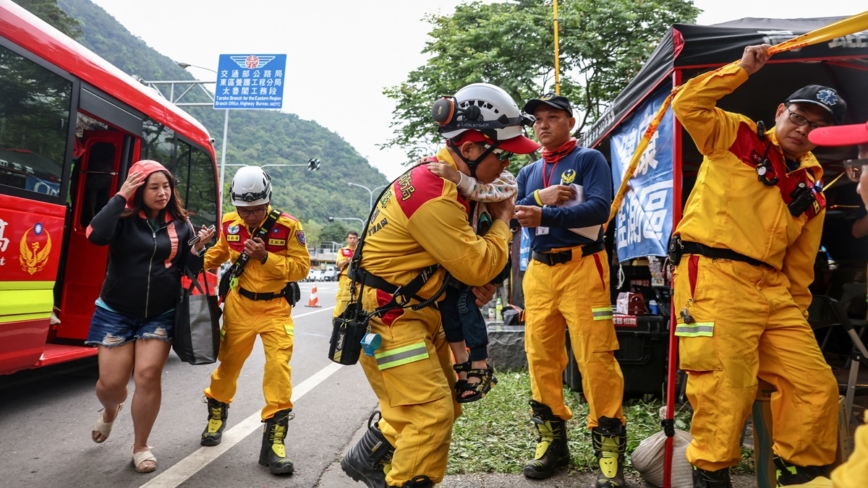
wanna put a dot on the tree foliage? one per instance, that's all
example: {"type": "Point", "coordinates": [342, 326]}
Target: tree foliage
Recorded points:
{"type": "Point", "coordinates": [48, 11]}
{"type": "Point", "coordinates": [603, 44]}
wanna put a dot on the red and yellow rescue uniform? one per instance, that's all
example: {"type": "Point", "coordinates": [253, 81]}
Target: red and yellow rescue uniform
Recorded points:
{"type": "Point", "coordinates": [749, 320]}
{"type": "Point", "coordinates": [244, 318]}
{"type": "Point", "coordinates": [420, 221]}
{"type": "Point", "coordinates": [343, 295]}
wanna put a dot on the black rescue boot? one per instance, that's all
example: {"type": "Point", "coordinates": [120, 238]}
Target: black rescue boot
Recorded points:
{"type": "Point", "coordinates": [610, 444]}
{"type": "Point", "coordinates": [552, 451]}
{"type": "Point", "coordinates": [711, 479]}
{"type": "Point", "coordinates": [370, 459]}
{"type": "Point", "coordinates": [218, 412]}
{"type": "Point", "coordinates": [273, 452]}
{"type": "Point", "coordinates": [788, 474]}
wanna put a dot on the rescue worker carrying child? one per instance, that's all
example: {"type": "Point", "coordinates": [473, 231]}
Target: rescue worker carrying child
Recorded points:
{"type": "Point", "coordinates": [420, 228]}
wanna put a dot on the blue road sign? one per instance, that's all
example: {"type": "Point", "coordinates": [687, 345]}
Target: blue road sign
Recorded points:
{"type": "Point", "coordinates": [250, 81]}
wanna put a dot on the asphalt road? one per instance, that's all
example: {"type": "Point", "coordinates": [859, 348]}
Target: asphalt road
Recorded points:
{"type": "Point", "coordinates": [46, 418]}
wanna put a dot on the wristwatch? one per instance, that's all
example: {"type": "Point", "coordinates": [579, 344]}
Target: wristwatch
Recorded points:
{"type": "Point", "coordinates": [265, 258]}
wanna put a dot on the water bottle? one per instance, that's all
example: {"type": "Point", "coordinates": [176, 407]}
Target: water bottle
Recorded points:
{"type": "Point", "coordinates": [652, 306]}
{"type": "Point", "coordinates": [499, 310]}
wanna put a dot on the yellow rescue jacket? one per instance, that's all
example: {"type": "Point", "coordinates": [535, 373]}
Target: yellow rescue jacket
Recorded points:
{"type": "Point", "coordinates": [288, 258]}
{"type": "Point", "coordinates": [729, 207]}
{"type": "Point", "coordinates": [422, 220]}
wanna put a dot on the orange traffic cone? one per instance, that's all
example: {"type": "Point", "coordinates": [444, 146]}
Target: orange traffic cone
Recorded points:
{"type": "Point", "coordinates": [313, 301]}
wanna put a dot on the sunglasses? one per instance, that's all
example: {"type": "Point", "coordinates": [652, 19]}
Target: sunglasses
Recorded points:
{"type": "Point", "coordinates": [855, 168]}
{"type": "Point", "coordinates": [500, 154]}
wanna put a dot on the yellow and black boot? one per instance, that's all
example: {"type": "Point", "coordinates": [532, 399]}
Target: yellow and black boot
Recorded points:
{"type": "Point", "coordinates": [273, 452]}
{"type": "Point", "coordinates": [610, 444]}
{"type": "Point", "coordinates": [552, 451]}
{"type": "Point", "coordinates": [370, 459]}
{"type": "Point", "coordinates": [789, 474]}
{"type": "Point", "coordinates": [711, 479]}
{"type": "Point", "coordinates": [218, 412]}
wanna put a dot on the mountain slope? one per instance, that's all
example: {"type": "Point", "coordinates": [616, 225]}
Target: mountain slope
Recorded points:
{"type": "Point", "coordinates": [255, 137]}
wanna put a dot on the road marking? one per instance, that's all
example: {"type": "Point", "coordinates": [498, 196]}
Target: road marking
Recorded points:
{"type": "Point", "coordinates": [190, 465]}
{"type": "Point", "coordinates": [311, 313]}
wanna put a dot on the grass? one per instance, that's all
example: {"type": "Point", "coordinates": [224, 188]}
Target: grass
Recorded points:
{"type": "Point", "coordinates": [495, 435]}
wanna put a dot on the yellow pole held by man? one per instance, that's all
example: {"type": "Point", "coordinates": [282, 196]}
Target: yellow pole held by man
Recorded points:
{"type": "Point", "coordinates": [850, 25]}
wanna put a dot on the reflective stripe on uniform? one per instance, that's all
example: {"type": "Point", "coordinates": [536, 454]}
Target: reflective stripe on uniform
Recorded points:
{"type": "Point", "coordinates": [699, 329]}
{"type": "Point", "coordinates": [604, 313]}
{"type": "Point", "coordinates": [402, 355]}
{"type": "Point", "coordinates": [290, 329]}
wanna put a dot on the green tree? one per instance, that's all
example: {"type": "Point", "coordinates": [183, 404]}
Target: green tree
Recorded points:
{"type": "Point", "coordinates": [333, 231]}
{"type": "Point", "coordinates": [48, 11]}
{"type": "Point", "coordinates": [312, 232]}
{"type": "Point", "coordinates": [603, 44]}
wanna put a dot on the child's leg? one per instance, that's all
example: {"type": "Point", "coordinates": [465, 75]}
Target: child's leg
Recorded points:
{"type": "Point", "coordinates": [453, 329]}
{"type": "Point", "coordinates": [476, 336]}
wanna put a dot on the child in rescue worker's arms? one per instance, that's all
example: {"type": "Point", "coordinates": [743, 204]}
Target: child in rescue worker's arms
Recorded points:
{"type": "Point", "coordinates": [463, 322]}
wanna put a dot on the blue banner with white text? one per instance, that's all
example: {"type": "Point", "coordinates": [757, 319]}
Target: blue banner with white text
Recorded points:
{"type": "Point", "coordinates": [644, 222]}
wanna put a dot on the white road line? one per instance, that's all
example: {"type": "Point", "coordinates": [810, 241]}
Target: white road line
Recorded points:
{"type": "Point", "coordinates": [190, 465]}
{"type": "Point", "coordinates": [311, 313]}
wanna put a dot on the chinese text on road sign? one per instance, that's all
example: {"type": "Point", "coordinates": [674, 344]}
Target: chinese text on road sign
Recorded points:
{"type": "Point", "coordinates": [250, 81]}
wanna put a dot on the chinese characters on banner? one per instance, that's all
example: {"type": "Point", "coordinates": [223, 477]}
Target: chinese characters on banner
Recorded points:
{"type": "Point", "coordinates": [644, 222]}
{"type": "Point", "coordinates": [250, 81]}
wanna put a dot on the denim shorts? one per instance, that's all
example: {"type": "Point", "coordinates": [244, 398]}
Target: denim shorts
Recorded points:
{"type": "Point", "coordinates": [112, 329]}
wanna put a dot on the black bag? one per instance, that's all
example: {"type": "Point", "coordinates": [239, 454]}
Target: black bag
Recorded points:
{"type": "Point", "coordinates": [197, 324]}
{"type": "Point", "coordinates": [348, 329]}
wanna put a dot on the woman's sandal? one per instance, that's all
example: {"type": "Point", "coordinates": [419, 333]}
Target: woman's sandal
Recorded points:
{"type": "Point", "coordinates": [144, 461]}
{"type": "Point", "coordinates": [103, 428]}
{"type": "Point", "coordinates": [486, 381]}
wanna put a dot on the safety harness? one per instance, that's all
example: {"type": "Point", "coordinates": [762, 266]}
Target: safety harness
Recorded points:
{"type": "Point", "coordinates": [229, 280]}
{"type": "Point", "coordinates": [351, 325]}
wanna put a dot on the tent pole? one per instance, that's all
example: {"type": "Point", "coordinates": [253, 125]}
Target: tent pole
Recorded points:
{"type": "Point", "coordinates": [557, 54]}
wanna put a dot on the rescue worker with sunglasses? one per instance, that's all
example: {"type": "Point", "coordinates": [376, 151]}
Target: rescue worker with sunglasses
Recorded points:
{"type": "Point", "coordinates": [420, 228]}
{"type": "Point", "coordinates": [257, 305]}
{"type": "Point", "coordinates": [566, 287]}
{"type": "Point", "coordinates": [745, 253]}
{"type": "Point", "coordinates": [854, 472]}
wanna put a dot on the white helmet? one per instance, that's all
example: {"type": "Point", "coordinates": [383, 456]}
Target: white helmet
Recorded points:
{"type": "Point", "coordinates": [250, 187]}
{"type": "Point", "coordinates": [482, 107]}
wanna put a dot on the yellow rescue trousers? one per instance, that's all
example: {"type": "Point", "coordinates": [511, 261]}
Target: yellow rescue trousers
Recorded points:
{"type": "Point", "coordinates": [744, 324]}
{"type": "Point", "coordinates": [854, 473]}
{"type": "Point", "coordinates": [411, 374]}
{"type": "Point", "coordinates": [243, 320]}
{"type": "Point", "coordinates": [572, 296]}
{"type": "Point", "coordinates": [343, 295]}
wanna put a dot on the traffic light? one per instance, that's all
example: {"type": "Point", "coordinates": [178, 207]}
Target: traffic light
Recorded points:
{"type": "Point", "coordinates": [313, 164]}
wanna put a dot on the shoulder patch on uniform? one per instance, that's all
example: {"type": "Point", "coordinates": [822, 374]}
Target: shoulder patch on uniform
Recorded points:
{"type": "Point", "coordinates": [299, 236]}
{"type": "Point", "coordinates": [416, 188]}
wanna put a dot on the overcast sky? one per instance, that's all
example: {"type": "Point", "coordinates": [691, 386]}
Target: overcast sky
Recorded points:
{"type": "Point", "coordinates": [341, 53]}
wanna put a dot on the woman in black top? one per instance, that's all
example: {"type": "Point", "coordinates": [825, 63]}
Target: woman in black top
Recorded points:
{"type": "Point", "coordinates": [147, 233]}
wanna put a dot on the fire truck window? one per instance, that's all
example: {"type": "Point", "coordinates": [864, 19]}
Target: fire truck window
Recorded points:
{"type": "Point", "coordinates": [159, 144]}
{"type": "Point", "coordinates": [181, 169]}
{"type": "Point", "coordinates": [97, 186]}
{"type": "Point", "coordinates": [202, 193]}
{"type": "Point", "coordinates": [34, 124]}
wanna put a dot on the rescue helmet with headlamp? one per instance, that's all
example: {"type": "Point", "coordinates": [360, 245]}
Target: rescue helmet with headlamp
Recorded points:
{"type": "Point", "coordinates": [250, 187]}
{"type": "Point", "coordinates": [488, 110]}
{"type": "Point", "coordinates": [486, 114]}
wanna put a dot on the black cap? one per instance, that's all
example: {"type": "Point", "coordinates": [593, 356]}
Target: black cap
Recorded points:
{"type": "Point", "coordinates": [556, 101]}
{"type": "Point", "coordinates": [822, 96]}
